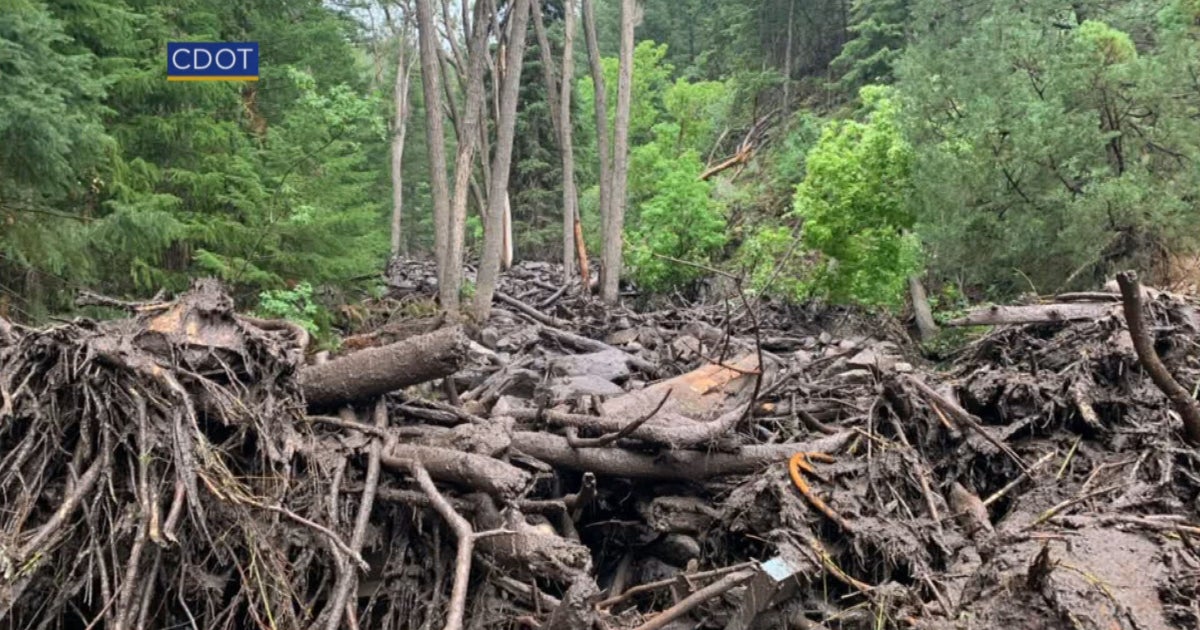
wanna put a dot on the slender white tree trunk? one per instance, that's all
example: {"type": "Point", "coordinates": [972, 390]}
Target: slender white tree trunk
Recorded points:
{"type": "Point", "coordinates": [601, 114]}
{"type": "Point", "coordinates": [403, 110]}
{"type": "Point", "coordinates": [616, 223]}
{"type": "Point", "coordinates": [436, 143]}
{"type": "Point", "coordinates": [570, 195]}
{"type": "Point", "coordinates": [494, 232]}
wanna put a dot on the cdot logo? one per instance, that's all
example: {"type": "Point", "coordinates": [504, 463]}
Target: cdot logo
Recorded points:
{"type": "Point", "coordinates": [212, 61]}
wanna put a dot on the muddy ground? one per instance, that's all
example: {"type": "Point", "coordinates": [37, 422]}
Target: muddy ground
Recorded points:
{"type": "Point", "coordinates": [729, 464]}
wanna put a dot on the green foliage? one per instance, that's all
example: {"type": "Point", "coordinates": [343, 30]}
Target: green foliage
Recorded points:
{"type": "Point", "coordinates": [879, 37]}
{"type": "Point", "coordinates": [681, 221]}
{"type": "Point", "coordinates": [295, 305]}
{"type": "Point", "coordinates": [855, 202]}
{"type": "Point", "coordinates": [769, 260]}
{"type": "Point", "coordinates": [1048, 148]}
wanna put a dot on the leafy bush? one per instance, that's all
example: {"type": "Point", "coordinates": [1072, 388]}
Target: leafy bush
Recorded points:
{"type": "Point", "coordinates": [295, 305]}
{"type": "Point", "coordinates": [855, 204]}
{"type": "Point", "coordinates": [680, 220]}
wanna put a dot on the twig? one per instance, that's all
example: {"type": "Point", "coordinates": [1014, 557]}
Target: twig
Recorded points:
{"type": "Point", "coordinates": [650, 586]}
{"type": "Point", "coordinates": [966, 418]}
{"type": "Point", "coordinates": [999, 494]}
{"type": "Point", "coordinates": [608, 438]}
{"type": "Point", "coordinates": [466, 544]}
{"type": "Point", "coordinates": [349, 579]}
{"type": "Point", "coordinates": [529, 310]}
{"type": "Point", "coordinates": [695, 599]}
{"type": "Point", "coordinates": [1181, 400]}
{"type": "Point", "coordinates": [1069, 502]}
{"type": "Point", "coordinates": [328, 533]}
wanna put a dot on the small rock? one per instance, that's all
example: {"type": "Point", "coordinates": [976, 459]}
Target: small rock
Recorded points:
{"type": "Point", "coordinates": [677, 549]}
{"type": "Point", "coordinates": [606, 364]}
{"type": "Point", "coordinates": [903, 367]}
{"type": "Point", "coordinates": [489, 337]}
{"type": "Point", "coordinates": [825, 337]}
{"type": "Point", "coordinates": [634, 346]}
{"type": "Point", "coordinates": [847, 345]}
{"type": "Point", "coordinates": [809, 342]}
{"type": "Point", "coordinates": [564, 388]}
{"type": "Point", "coordinates": [802, 357]}
{"type": "Point", "coordinates": [622, 337]}
{"type": "Point", "coordinates": [856, 377]}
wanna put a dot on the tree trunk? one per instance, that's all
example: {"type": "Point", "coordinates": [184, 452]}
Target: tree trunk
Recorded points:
{"type": "Point", "coordinates": [436, 141]}
{"type": "Point", "coordinates": [614, 226]}
{"type": "Point", "coordinates": [468, 135]}
{"type": "Point", "coordinates": [377, 371]}
{"type": "Point", "coordinates": [547, 58]}
{"type": "Point", "coordinates": [926, 327]}
{"type": "Point", "coordinates": [570, 196]}
{"type": "Point", "coordinates": [399, 130]}
{"type": "Point", "coordinates": [601, 114]}
{"type": "Point", "coordinates": [494, 232]}
{"type": "Point", "coordinates": [787, 65]}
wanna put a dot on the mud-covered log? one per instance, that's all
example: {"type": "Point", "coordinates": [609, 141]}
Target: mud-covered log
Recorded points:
{"type": "Point", "coordinates": [482, 473]}
{"type": "Point", "coordinates": [996, 315]}
{"type": "Point", "coordinates": [683, 465]}
{"type": "Point", "coordinates": [377, 371]}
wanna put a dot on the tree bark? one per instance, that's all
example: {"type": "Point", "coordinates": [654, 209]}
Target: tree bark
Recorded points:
{"type": "Point", "coordinates": [601, 114]}
{"type": "Point", "coordinates": [679, 465]}
{"type": "Point", "coordinates": [468, 135]}
{"type": "Point", "coordinates": [547, 58]}
{"type": "Point", "coordinates": [436, 143]}
{"type": "Point", "coordinates": [926, 327]}
{"type": "Point", "coordinates": [377, 371]}
{"type": "Point", "coordinates": [611, 272]}
{"type": "Point", "coordinates": [494, 232]}
{"type": "Point", "coordinates": [1181, 399]}
{"type": "Point", "coordinates": [571, 223]}
{"type": "Point", "coordinates": [403, 110]}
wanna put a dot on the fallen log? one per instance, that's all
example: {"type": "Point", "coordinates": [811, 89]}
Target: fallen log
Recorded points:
{"type": "Point", "coordinates": [682, 465]}
{"type": "Point", "coordinates": [996, 315]}
{"type": "Point", "coordinates": [377, 371]}
{"type": "Point", "coordinates": [1181, 400]}
{"type": "Point", "coordinates": [486, 474]}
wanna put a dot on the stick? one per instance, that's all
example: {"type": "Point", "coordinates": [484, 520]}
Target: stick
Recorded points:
{"type": "Point", "coordinates": [650, 586]}
{"type": "Point", "coordinates": [1181, 400]}
{"type": "Point", "coordinates": [466, 544]}
{"type": "Point", "coordinates": [609, 438]}
{"type": "Point", "coordinates": [999, 494]}
{"type": "Point", "coordinates": [966, 418]}
{"type": "Point", "coordinates": [695, 599]}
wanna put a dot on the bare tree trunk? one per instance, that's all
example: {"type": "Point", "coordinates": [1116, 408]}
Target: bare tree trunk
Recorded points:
{"type": "Point", "coordinates": [403, 109]}
{"type": "Point", "coordinates": [494, 232]}
{"type": "Point", "coordinates": [601, 113]}
{"type": "Point", "coordinates": [570, 196]}
{"type": "Point", "coordinates": [616, 222]}
{"type": "Point", "coordinates": [436, 140]}
{"type": "Point", "coordinates": [539, 28]}
{"type": "Point", "coordinates": [787, 64]}
{"type": "Point", "coordinates": [468, 134]}
{"type": "Point", "coordinates": [926, 326]}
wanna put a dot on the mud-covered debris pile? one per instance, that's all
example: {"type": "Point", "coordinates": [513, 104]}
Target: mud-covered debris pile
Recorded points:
{"type": "Point", "coordinates": [567, 465]}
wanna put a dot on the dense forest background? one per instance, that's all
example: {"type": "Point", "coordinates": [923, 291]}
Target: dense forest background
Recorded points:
{"type": "Point", "coordinates": [830, 149]}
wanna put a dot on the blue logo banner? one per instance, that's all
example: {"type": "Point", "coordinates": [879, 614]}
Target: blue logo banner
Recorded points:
{"type": "Point", "coordinates": [212, 61]}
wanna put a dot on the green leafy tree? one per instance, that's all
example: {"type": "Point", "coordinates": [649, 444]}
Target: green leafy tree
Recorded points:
{"type": "Point", "coordinates": [1050, 149]}
{"type": "Point", "coordinates": [855, 203]}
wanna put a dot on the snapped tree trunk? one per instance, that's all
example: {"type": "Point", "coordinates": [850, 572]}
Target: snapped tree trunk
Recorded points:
{"type": "Point", "coordinates": [377, 371]}
{"type": "Point", "coordinates": [494, 232]}
{"type": "Point", "coordinates": [601, 114]}
{"type": "Point", "coordinates": [620, 175]}
{"type": "Point", "coordinates": [436, 140]}
{"type": "Point", "coordinates": [926, 327]}
{"type": "Point", "coordinates": [399, 131]}
{"type": "Point", "coordinates": [571, 225]}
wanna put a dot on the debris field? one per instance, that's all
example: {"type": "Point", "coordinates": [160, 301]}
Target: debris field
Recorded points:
{"type": "Point", "coordinates": [736, 464]}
